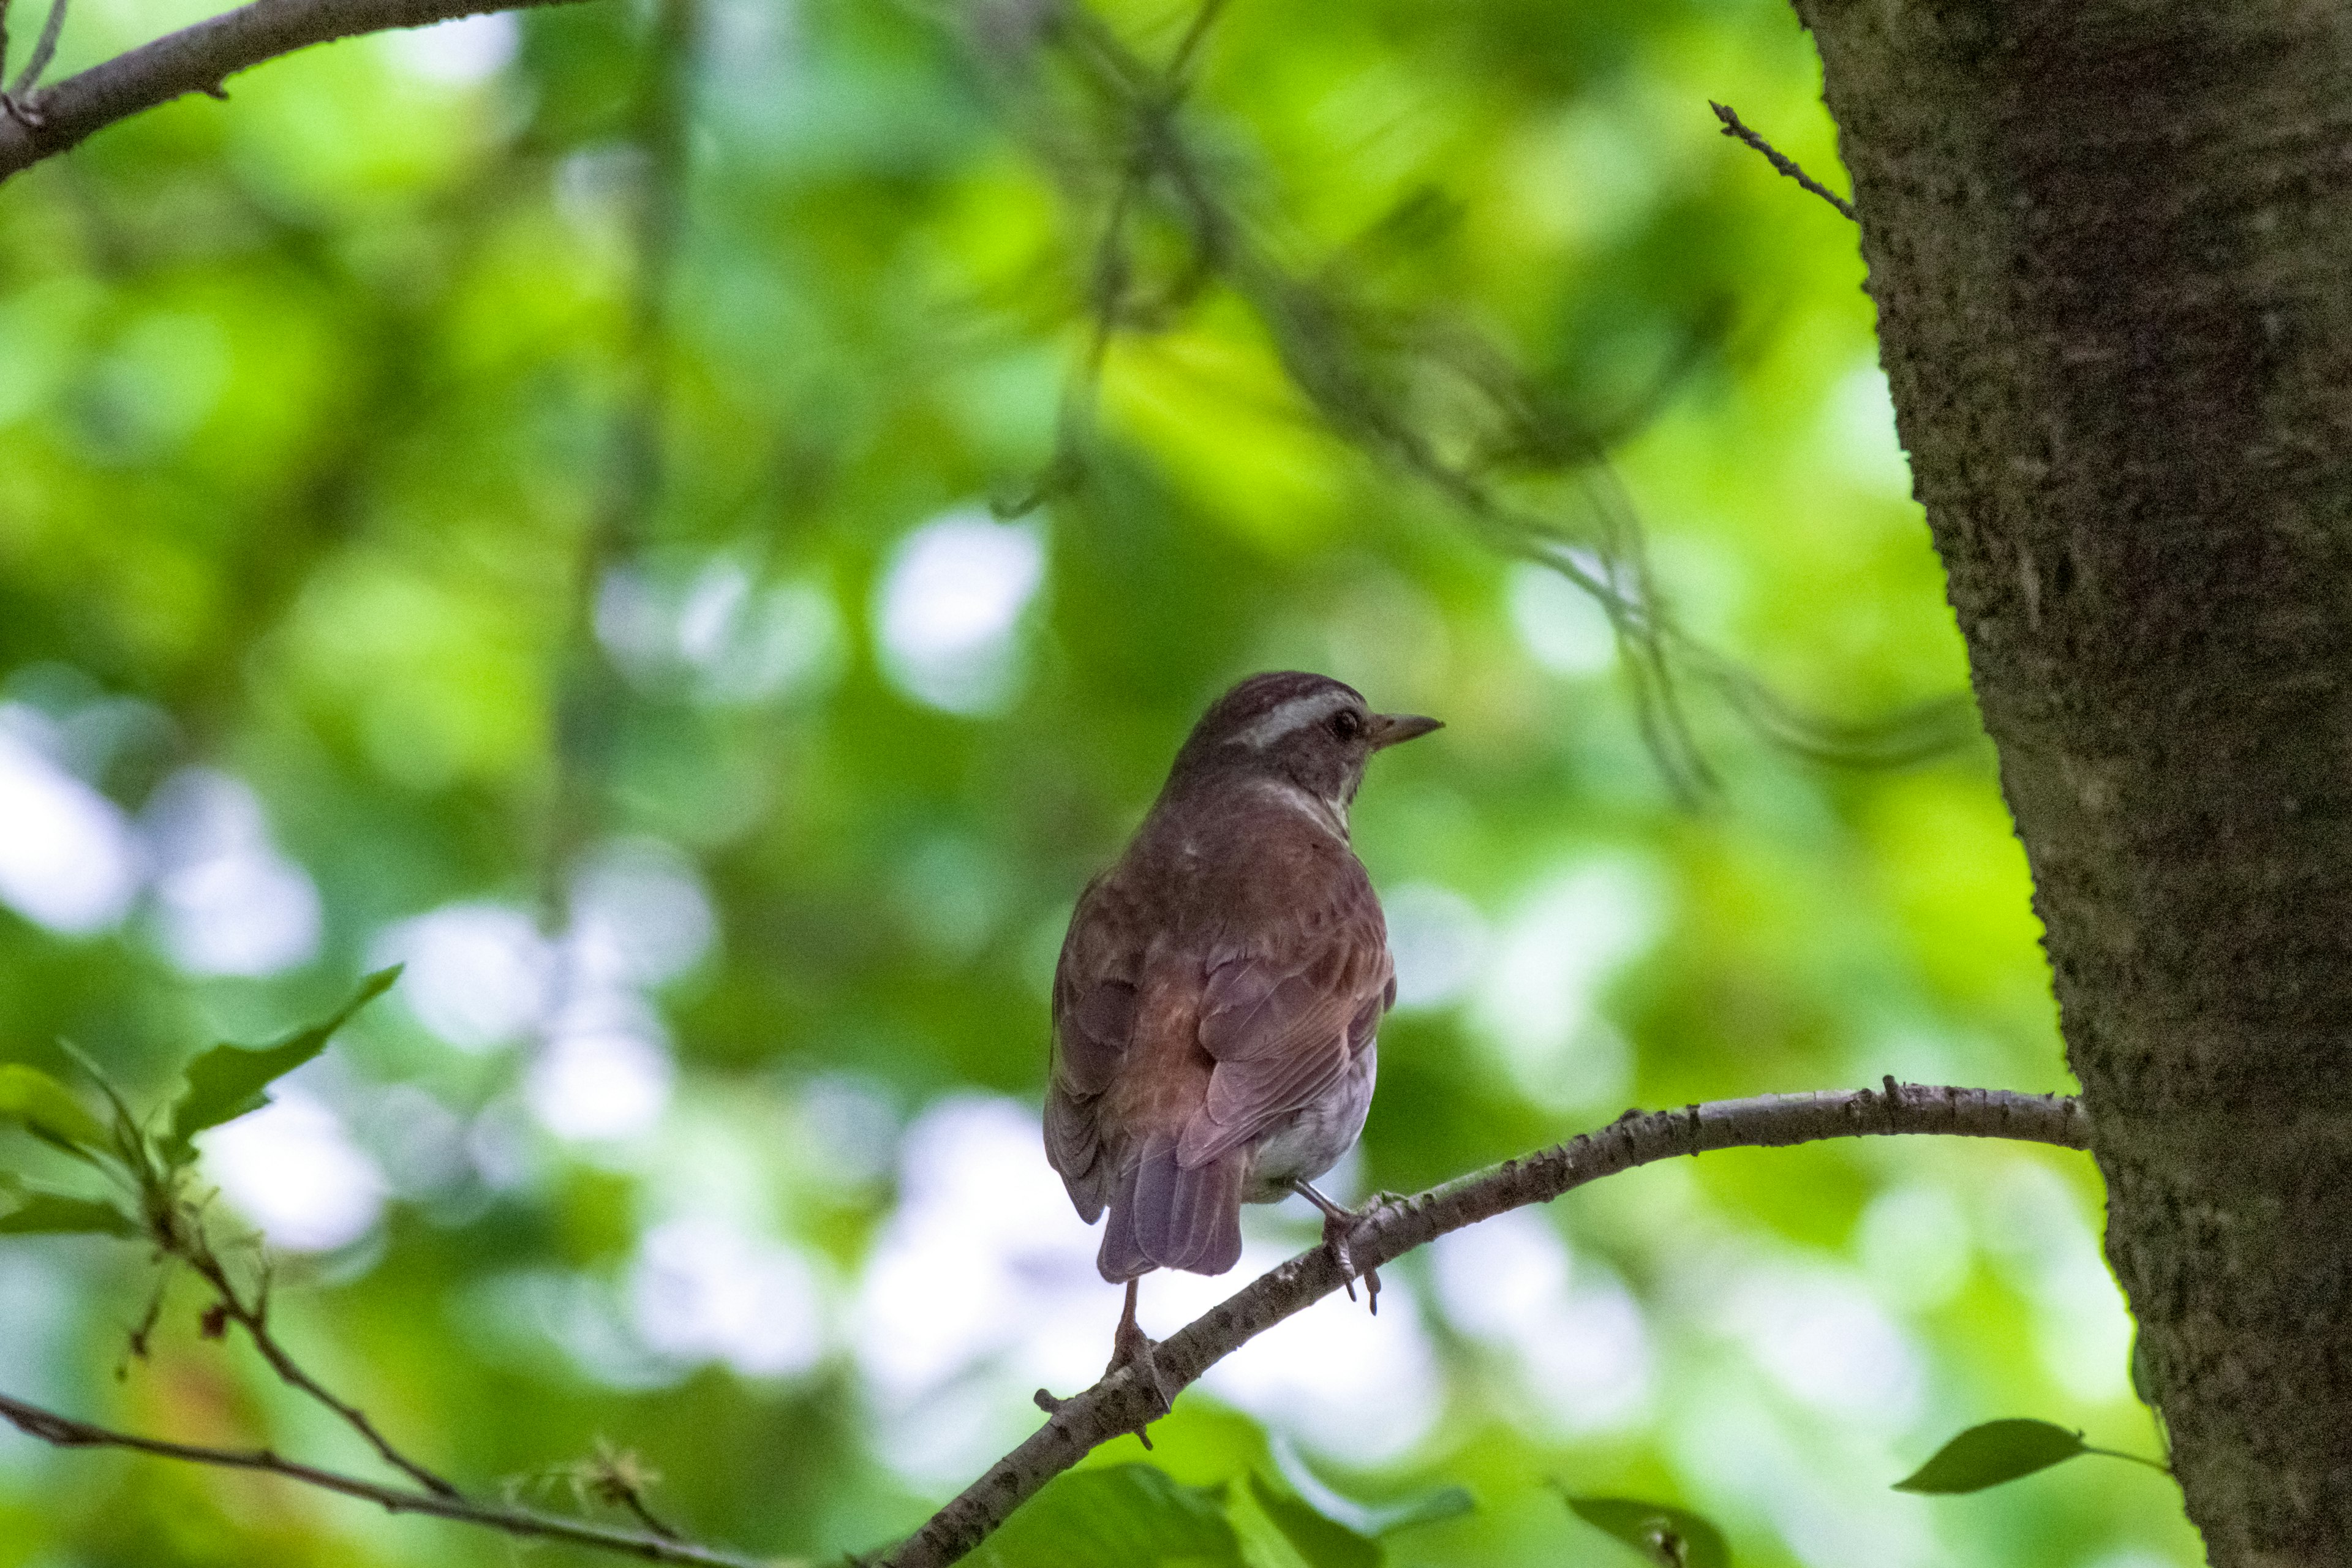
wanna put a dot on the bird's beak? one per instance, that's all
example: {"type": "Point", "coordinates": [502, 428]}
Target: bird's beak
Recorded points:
{"type": "Point", "coordinates": [1392, 729]}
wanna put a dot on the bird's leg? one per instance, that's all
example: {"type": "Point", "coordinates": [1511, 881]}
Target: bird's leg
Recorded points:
{"type": "Point", "coordinates": [1130, 1344]}
{"type": "Point", "coordinates": [1131, 1347]}
{"type": "Point", "coordinates": [1336, 1223]}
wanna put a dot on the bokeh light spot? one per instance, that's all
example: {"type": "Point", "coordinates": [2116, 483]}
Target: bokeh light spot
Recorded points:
{"type": "Point", "coordinates": [293, 1168]}
{"type": "Point", "coordinates": [949, 609]}
{"type": "Point", "coordinates": [69, 859]}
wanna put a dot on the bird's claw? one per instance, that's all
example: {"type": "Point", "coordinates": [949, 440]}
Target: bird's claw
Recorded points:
{"type": "Point", "coordinates": [1338, 1225]}
{"type": "Point", "coordinates": [1336, 1228]}
{"type": "Point", "coordinates": [1136, 1351]}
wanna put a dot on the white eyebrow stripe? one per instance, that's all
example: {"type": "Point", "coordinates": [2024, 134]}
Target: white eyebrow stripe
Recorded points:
{"type": "Point", "coordinates": [1292, 716]}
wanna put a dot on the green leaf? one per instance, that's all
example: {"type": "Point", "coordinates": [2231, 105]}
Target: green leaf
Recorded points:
{"type": "Point", "coordinates": [129, 1142]}
{"type": "Point", "coordinates": [1989, 1454]}
{"type": "Point", "coordinates": [1669, 1537]}
{"type": "Point", "coordinates": [1431, 1507]}
{"type": "Point", "coordinates": [47, 1109]}
{"type": "Point", "coordinates": [226, 1082]}
{"type": "Point", "coordinates": [55, 1214]}
{"type": "Point", "coordinates": [1323, 1543]}
{"type": "Point", "coordinates": [1378, 1520]}
{"type": "Point", "coordinates": [1121, 1516]}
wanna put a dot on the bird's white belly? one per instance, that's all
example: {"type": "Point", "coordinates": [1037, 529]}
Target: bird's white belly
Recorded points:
{"type": "Point", "coordinates": [1312, 1142]}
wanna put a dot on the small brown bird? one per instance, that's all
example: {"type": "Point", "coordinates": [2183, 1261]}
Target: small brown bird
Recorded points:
{"type": "Point", "coordinates": [1220, 988]}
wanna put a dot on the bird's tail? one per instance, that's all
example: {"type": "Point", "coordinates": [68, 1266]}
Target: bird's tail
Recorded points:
{"type": "Point", "coordinates": [1164, 1216]}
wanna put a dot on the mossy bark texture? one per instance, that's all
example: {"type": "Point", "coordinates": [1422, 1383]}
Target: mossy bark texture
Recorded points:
{"type": "Point", "coordinates": [2110, 242]}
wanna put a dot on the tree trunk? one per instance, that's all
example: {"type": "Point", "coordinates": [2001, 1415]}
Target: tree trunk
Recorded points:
{"type": "Point", "coordinates": [2110, 243]}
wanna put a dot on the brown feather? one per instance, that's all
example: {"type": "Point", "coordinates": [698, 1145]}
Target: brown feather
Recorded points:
{"type": "Point", "coordinates": [1120, 1256]}
{"type": "Point", "coordinates": [1095, 1035]}
{"type": "Point", "coordinates": [1186, 1216]}
{"type": "Point", "coordinates": [1282, 1043]}
{"type": "Point", "coordinates": [1075, 1150]}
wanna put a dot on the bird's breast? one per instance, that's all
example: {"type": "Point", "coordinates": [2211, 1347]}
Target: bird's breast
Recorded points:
{"type": "Point", "coordinates": [1246, 859]}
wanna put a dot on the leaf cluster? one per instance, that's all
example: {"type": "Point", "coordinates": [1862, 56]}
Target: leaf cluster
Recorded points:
{"type": "Point", "coordinates": [1130, 1516]}
{"type": "Point", "coordinates": [147, 1159]}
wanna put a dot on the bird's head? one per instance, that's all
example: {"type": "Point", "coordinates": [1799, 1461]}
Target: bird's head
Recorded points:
{"type": "Point", "coordinates": [1294, 727]}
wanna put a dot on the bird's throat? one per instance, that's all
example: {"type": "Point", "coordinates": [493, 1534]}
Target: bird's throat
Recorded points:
{"type": "Point", "coordinates": [1330, 814]}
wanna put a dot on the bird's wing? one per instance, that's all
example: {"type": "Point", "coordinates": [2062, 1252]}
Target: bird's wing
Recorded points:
{"type": "Point", "coordinates": [1094, 1025]}
{"type": "Point", "coordinates": [1283, 1017]}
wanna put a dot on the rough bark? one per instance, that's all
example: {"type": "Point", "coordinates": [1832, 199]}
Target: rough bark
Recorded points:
{"type": "Point", "coordinates": [2110, 242]}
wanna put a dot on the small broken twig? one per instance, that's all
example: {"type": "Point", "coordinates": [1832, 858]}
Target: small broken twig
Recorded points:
{"type": "Point", "coordinates": [1734, 127]}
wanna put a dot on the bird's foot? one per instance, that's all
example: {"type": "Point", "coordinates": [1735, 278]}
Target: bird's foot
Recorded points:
{"type": "Point", "coordinates": [1136, 1351]}
{"type": "Point", "coordinates": [1336, 1225]}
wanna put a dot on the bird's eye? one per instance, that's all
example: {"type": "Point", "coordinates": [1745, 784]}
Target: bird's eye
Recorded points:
{"type": "Point", "coordinates": [1347, 723]}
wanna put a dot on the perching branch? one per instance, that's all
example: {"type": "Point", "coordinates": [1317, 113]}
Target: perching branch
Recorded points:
{"type": "Point", "coordinates": [67, 1433]}
{"type": "Point", "coordinates": [1734, 127]}
{"type": "Point", "coordinates": [1121, 1403]}
{"type": "Point", "coordinates": [198, 59]}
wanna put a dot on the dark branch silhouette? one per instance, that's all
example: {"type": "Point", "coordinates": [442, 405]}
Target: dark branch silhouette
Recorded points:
{"type": "Point", "coordinates": [253, 1316]}
{"type": "Point", "coordinates": [199, 59]}
{"type": "Point", "coordinates": [1358, 364]}
{"type": "Point", "coordinates": [67, 1433]}
{"type": "Point", "coordinates": [1738, 129]}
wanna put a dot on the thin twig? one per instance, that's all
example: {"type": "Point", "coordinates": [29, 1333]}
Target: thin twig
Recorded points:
{"type": "Point", "coordinates": [1120, 1403]}
{"type": "Point", "coordinates": [65, 1432]}
{"type": "Point", "coordinates": [631, 1498]}
{"type": "Point", "coordinates": [175, 1223]}
{"type": "Point", "coordinates": [2158, 1466]}
{"type": "Point", "coordinates": [197, 58]}
{"type": "Point", "coordinates": [1347, 360]}
{"type": "Point", "coordinates": [254, 1318]}
{"type": "Point", "coordinates": [1308, 327]}
{"type": "Point", "coordinates": [45, 49]}
{"type": "Point", "coordinates": [1734, 127]}
{"type": "Point", "coordinates": [617, 1478]}
{"type": "Point", "coordinates": [1188, 49]}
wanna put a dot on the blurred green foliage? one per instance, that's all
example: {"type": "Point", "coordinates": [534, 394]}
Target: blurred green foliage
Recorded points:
{"type": "Point", "coordinates": [517, 499]}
